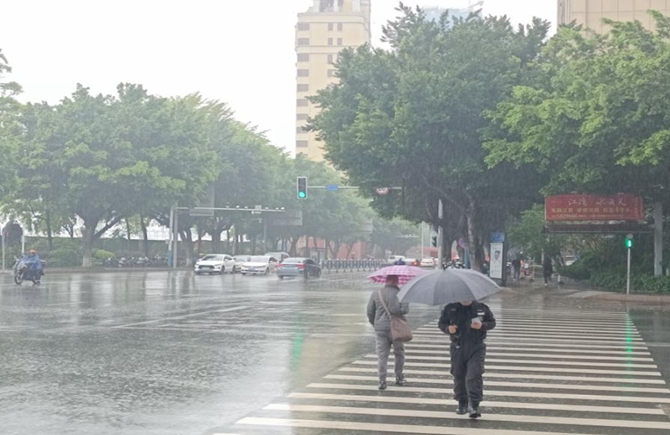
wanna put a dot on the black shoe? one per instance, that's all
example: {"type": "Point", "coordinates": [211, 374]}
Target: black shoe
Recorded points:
{"type": "Point", "coordinates": [462, 408]}
{"type": "Point", "coordinates": [382, 385]}
{"type": "Point", "coordinates": [474, 410]}
{"type": "Point", "coordinates": [400, 380]}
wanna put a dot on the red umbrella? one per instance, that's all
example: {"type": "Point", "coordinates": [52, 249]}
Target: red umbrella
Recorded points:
{"type": "Point", "coordinates": [404, 273]}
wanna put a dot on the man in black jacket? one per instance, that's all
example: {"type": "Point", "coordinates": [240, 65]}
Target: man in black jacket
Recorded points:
{"type": "Point", "coordinates": [467, 323]}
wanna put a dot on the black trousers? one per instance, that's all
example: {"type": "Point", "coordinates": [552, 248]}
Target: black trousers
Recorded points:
{"type": "Point", "coordinates": [467, 368]}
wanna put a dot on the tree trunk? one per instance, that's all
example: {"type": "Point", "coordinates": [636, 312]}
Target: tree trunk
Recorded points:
{"type": "Point", "coordinates": [88, 235]}
{"type": "Point", "coordinates": [187, 238]}
{"type": "Point", "coordinates": [476, 254]}
{"type": "Point", "coordinates": [50, 237]}
{"type": "Point", "coordinates": [253, 245]}
{"type": "Point", "coordinates": [130, 248]}
{"type": "Point", "coordinates": [227, 240]}
{"type": "Point", "coordinates": [145, 236]}
{"type": "Point", "coordinates": [216, 240]}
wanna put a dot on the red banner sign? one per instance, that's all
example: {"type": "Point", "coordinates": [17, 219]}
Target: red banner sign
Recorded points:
{"type": "Point", "coordinates": [581, 208]}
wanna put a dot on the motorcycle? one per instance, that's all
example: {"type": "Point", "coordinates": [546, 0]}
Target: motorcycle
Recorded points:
{"type": "Point", "coordinates": [22, 272]}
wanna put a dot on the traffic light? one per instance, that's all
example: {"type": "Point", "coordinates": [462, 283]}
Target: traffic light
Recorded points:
{"type": "Point", "coordinates": [629, 242]}
{"type": "Point", "coordinates": [434, 241]}
{"type": "Point", "coordinates": [302, 187]}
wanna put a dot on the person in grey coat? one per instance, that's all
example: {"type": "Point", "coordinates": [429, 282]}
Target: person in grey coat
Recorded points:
{"type": "Point", "coordinates": [379, 318]}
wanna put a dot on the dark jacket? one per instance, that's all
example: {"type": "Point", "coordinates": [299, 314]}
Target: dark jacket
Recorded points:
{"type": "Point", "coordinates": [548, 267]}
{"type": "Point", "coordinates": [377, 315]}
{"type": "Point", "coordinates": [461, 316]}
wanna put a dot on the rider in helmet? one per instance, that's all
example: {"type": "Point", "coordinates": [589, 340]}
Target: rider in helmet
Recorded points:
{"type": "Point", "coordinates": [32, 260]}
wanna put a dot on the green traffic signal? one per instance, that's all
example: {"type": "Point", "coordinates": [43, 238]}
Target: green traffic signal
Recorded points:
{"type": "Point", "coordinates": [629, 243]}
{"type": "Point", "coordinates": [302, 187]}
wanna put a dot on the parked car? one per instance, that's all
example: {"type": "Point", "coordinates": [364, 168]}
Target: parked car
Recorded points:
{"type": "Point", "coordinates": [215, 263]}
{"type": "Point", "coordinates": [429, 263]}
{"type": "Point", "coordinates": [298, 267]}
{"type": "Point", "coordinates": [259, 265]}
{"type": "Point", "coordinates": [239, 261]}
{"type": "Point", "coordinates": [280, 256]}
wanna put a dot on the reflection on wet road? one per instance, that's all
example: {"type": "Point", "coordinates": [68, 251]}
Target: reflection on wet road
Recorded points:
{"type": "Point", "coordinates": [171, 353]}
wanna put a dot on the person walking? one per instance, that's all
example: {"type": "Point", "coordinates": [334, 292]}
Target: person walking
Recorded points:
{"type": "Point", "coordinates": [467, 324]}
{"type": "Point", "coordinates": [382, 303]}
{"type": "Point", "coordinates": [516, 265]}
{"type": "Point", "coordinates": [547, 269]}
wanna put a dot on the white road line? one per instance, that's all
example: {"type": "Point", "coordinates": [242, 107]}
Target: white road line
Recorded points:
{"type": "Point", "coordinates": [394, 428]}
{"type": "Point", "coordinates": [542, 331]}
{"type": "Point", "coordinates": [487, 404]}
{"type": "Point", "coordinates": [580, 339]}
{"type": "Point", "coordinates": [520, 376]}
{"type": "Point", "coordinates": [535, 355]}
{"type": "Point", "coordinates": [565, 396]}
{"type": "Point", "coordinates": [531, 369]}
{"type": "Point", "coordinates": [515, 341]}
{"type": "Point", "coordinates": [449, 415]}
{"type": "Point", "coordinates": [534, 362]}
{"type": "Point", "coordinates": [489, 383]}
{"type": "Point", "coordinates": [534, 348]}
{"type": "Point", "coordinates": [202, 313]}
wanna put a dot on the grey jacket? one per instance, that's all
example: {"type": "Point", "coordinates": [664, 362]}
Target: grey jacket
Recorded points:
{"type": "Point", "coordinates": [376, 312]}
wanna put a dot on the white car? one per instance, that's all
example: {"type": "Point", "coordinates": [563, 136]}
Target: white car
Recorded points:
{"type": "Point", "coordinates": [259, 265]}
{"type": "Point", "coordinates": [429, 263]}
{"type": "Point", "coordinates": [393, 258]}
{"type": "Point", "coordinates": [215, 263]}
{"type": "Point", "coordinates": [239, 261]}
{"type": "Point", "coordinates": [280, 256]}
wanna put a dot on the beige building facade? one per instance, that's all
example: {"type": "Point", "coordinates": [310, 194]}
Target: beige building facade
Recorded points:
{"type": "Point", "coordinates": [321, 33]}
{"type": "Point", "coordinates": [591, 12]}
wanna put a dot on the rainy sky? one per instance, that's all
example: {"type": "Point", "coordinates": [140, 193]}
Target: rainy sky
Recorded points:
{"type": "Point", "coordinates": [238, 51]}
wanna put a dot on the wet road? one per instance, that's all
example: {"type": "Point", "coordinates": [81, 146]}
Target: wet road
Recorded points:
{"type": "Point", "coordinates": [171, 353]}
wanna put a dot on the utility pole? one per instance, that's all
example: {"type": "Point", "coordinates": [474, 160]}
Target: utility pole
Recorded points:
{"type": "Point", "coordinates": [629, 247]}
{"type": "Point", "coordinates": [440, 234]}
{"type": "Point", "coordinates": [658, 239]}
{"type": "Point", "coordinates": [423, 246]}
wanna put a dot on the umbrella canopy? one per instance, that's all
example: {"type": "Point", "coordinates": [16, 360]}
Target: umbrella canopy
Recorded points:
{"type": "Point", "coordinates": [404, 274]}
{"type": "Point", "coordinates": [448, 286]}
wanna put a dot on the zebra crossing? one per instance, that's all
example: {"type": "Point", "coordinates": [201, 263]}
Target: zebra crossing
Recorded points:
{"type": "Point", "coordinates": [548, 372]}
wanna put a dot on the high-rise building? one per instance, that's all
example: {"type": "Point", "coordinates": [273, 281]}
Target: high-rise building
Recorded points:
{"type": "Point", "coordinates": [435, 12]}
{"type": "Point", "coordinates": [321, 33]}
{"type": "Point", "coordinates": [591, 12]}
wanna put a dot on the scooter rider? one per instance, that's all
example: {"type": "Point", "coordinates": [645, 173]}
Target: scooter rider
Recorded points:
{"type": "Point", "coordinates": [467, 323]}
{"type": "Point", "coordinates": [32, 260]}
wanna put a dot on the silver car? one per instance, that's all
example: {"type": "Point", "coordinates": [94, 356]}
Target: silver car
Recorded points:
{"type": "Point", "coordinates": [303, 267]}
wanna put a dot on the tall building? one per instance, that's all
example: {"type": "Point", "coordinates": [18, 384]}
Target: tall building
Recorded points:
{"type": "Point", "coordinates": [321, 33]}
{"type": "Point", "coordinates": [435, 12]}
{"type": "Point", "coordinates": [591, 12]}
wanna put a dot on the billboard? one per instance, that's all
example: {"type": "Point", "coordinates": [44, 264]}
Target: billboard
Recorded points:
{"type": "Point", "coordinates": [580, 208]}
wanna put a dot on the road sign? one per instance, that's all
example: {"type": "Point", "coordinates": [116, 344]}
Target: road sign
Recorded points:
{"type": "Point", "coordinates": [332, 187]}
{"type": "Point", "coordinates": [497, 237]}
{"type": "Point", "coordinates": [382, 190]}
{"type": "Point", "coordinates": [291, 218]}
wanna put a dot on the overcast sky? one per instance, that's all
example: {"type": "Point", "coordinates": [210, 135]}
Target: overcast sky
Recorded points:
{"type": "Point", "coordinates": [238, 51]}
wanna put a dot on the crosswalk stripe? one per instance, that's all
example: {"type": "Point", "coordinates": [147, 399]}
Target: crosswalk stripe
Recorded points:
{"type": "Point", "coordinates": [547, 377]}
{"type": "Point", "coordinates": [544, 331]}
{"type": "Point", "coordinates": [594, 338]}
{"type": "Point", "coordinates": [488, 392]}
{"type": "Point", "coordinates": [488, 403]}
{"type": "Point", "coordinates": [535, 348]}
{"type": "Point", "coordinates": [381, 427]}
{"type": "Point", "coordinates": [535, 362]}
{"type": "Point", "coordinates": [535, 355]}
{"type": "Point", "coordinates": [515, 384]}
{"type": "Point", "coordinates": [395, 412]}
{"type": "Point", "coordinates": [558, 347]}
{"type": "Point", "coordinates": [515, 340]}
{"type": "Point", "coordinates": [530, 369]}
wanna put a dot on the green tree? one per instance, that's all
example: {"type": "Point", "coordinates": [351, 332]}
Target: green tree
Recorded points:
{"type": "Point", "coordinates": [411, 117]}
{"type": "Point", "coordinates": [395, 235]}
{"type": "Point", "coordinates": [595, 119]}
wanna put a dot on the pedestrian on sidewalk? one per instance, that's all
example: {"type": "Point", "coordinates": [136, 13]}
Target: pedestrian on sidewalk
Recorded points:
{"type": "Point", "coordinates": [547, 270]}
{"type": "Point", "coordinates": [516, 265]}
{"type": "Point", "coordinates": [381, 303]}
{"type": "Point", "coordinates": [467, 324]}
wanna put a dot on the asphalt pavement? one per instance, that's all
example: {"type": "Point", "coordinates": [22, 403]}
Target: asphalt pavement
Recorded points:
{"type": "Point", "coordinates": [171, 353]}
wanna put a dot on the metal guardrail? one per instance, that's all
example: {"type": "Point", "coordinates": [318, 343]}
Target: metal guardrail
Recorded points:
{"type": "Point", "coordinates": [337, 266]}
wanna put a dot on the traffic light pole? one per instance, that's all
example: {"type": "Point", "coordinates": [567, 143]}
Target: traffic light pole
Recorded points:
{"type": "Point", "coordinates": [440, 235]}
{"type": "Point", "coordinates": [628, 276]}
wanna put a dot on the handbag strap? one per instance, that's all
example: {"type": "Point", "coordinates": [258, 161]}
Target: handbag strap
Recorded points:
{"type": "Point", "coordinates": [381, 298]}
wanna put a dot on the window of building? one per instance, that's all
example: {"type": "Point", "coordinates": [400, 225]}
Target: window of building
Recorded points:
{"type": "Point", "coordinates": [302, 102]}
{"type": "Point", "coordinates": [339, 41]}
{"type": "Point", "coordinates": [303, 41]}
{"type": "Point", "coordinates": [330, 27]}
{"type": "Point", "coordinates": [340, 27]}
{"type": "Point", "coordinates": [303, 57]}
{"type": "Point", "coordinates": [302, 117]}
{"type": "Point", "coordinates": [303, 73]}
{"type": "Point", "coordinates": [331, 73]}
{"type": "Point", "coordinates": [303, 26]}
{"type": "Point", "coordinates": [300, 130]}
{"type": "Point", "coordinates": [330, 41]}
{"type": "Point", "coordinates": [332, 58]}
{"type": "Point", "coordinates": [303, 87]}
{"type": "Point", "coordinates": [301, 144]}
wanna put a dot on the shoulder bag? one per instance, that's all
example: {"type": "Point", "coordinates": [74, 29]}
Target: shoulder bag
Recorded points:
{"type": "Point", "coordinates": [400, 329]}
